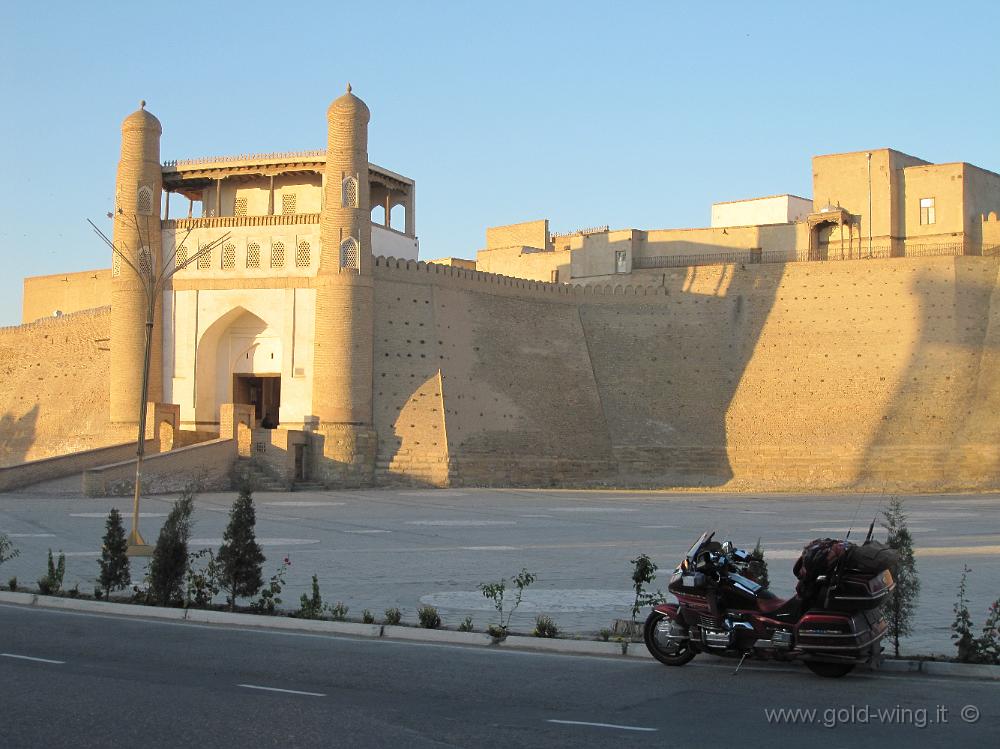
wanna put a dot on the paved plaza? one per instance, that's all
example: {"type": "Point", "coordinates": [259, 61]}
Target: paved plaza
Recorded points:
{"type": "Point", "coordinates": [381, 548]}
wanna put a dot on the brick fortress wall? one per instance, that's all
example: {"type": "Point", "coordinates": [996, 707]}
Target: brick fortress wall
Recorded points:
{"type": "Point", "coordinates": [54, 397]}
{"type": "Point", "coordinates": [785, 377]}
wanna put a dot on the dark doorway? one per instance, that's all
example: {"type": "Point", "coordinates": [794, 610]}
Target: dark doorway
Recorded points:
{"type": "Point", "coordinates": [263, 392]}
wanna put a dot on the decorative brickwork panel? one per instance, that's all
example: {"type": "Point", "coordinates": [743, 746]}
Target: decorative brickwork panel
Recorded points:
{"type": "Point", "coordinates": [205, 261]}
{"type": "Point", "coordinates": [350, 193]}
{"type": "Point", "coordinates": [349, 253]}
{"type": "Point", "coordinates": [228, 256]}
{"type": "Point", "coordinates": [278, 254]}
{"type": "Point", "coordinates": [144, 201]}
{"type": "Point", "coordinates": [181, 256]}
{"type": "Point", "coordinates": [253, 255]}
{"type": "Point", "coordinates": [145, 264]}
{"type": "Point", "coordinates": [288, 203]}
{"type": "Point", "coordinates": [302, 255]}
{"type": "Point", "coordinates": [116, 264]}
{"type": "Point", "coordinates": [240, 207]}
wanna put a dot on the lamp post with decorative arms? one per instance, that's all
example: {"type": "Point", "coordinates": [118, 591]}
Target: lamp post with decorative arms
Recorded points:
{"type": "Point", "coordinates": [154, 280]}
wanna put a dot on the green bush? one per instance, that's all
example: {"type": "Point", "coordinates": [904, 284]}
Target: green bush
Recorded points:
{"type": "Point", "coordinates": [643, 574]}
{"type": "Point", "coordinates": [497, 591]}
{"type": "Point", "coordinates": [201, 580]}
{"type": "Point", "coordinates": [393, 616]}
{"type": "Point", "coordinates": [270, 595]}
{"type": "Point", "coordinates": [962, 626]}
{"type": "Point", "coordinates": [758, 566]}
{"type": "Point", "coordinates": [311, 607]}
{"type": "Point", "coordinates": [52, 582]}
{"type": "Point", "coordinates": [115, 573]}
{"type": "Point", "coordinates": [545, 627]}
{"type": "Point", "coordinates": [466, 625]}
{"type": "Point", "coordinates": [12, 584]}
{"type": "Point", "coordinates": [367, 617]}
{"type": "Point", "coordinates": [168, 566]}
{"type": "Point", "coordinates": [240, 557]}
{"type": "Point", "coordinates": [605, 634]}
{"type": "Point", "coordinates": [338, 612]}
{"type": "Point", "coordinates": [902, 603]}
{"type": "Point", "coordinates": [7, 550]}
{"type": "Point", "coordinates": [428, 617]}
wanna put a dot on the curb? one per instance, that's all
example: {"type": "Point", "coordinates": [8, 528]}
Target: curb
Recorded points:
{"type": "Point", "coordinates": [438, 636]}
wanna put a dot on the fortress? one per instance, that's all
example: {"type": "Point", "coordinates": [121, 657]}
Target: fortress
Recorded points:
{"type": "Point", "coordinates": [846, 342]}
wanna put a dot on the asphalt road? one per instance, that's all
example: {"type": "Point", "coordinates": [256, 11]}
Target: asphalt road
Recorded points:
{"type": "Point", "coordinates": [381, 548]}
{"type": "Point", "coordinates": [81, 680]}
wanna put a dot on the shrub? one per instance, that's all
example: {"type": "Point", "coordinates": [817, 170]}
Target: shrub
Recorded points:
{"type": "Point", "coordinates": [52, 582]}
{"type": "Point", "coordinates": [545, 627]}
{"type": "Point", "coordinates": [338, 612]}
{"type": "Point", "coordinates": [962, 626]}
{"type": "Point", "coordinates": [269, 597]}
{"type": "Point", "coordinates": [74, 592]}
{"type": "Point", "coordinates": [170, 556]}
{"type": "Point", "coordinates": [428, 617]}
{"type": "Point", "coordinates": [903, 601]}
{"type": "Point", "coordinates": [115, 572]}
{"type": "Point", "coordinates": [311, 607]}
{"type": "Point", "coordinates": [988, 644]}
{"type": "Point", "coordinates": [240, 556]}
{"type": "Point", "coordinates": [367, 617]}
{"type": "Point", "coordinates": [496, 593]}
{"type": "Point", "coordinates": [393, 616]}
{"type": "Point", "coordinates": [201, 581]}
{"type": "Point", "coordinates": [466, 625]}
{"type": "Point", "coordinates": [757, 570]}
{"type": "Point", "coordinates": [7, 550]}
{"type": "Point", "coordinates": [605, 634]}
{"type": "Point", "coordinates": [643, 574]}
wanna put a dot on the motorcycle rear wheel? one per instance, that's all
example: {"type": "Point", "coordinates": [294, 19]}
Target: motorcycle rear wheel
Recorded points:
{"type": "Point", "coordinates": [667, 652]}
{"type": "Point", "coordinates": [830, 670]}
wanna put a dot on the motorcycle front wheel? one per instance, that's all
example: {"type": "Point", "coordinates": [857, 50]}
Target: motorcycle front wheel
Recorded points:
{"type": "Point", "coordinates": [666, 640]}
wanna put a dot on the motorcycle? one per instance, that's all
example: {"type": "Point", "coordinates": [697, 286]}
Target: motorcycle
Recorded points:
{"type": "Point", "coordinates": [833, 622]}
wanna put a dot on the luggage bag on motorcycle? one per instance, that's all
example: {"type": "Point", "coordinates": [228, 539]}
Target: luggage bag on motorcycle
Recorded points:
{"type": "Point", "coordinates": [871, 558]}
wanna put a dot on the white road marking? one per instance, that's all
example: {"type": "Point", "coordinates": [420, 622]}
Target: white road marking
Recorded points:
{"type": "Point", "coordinates": [461, 523]}
{"type": "Point", "coordinates": [29, 658]}
{"type": "Point", "coordinates": [303, 504]}
{"type": "Point", "coordinates": [657, 526]}
{"type": "Point", "coordinates": [104, 514]}
{"type": "Point", "coordinates": [536, 516]}
{"type": "Point", "coordinates": [261, 541]}
{"type": "Point", "coordinates": [283, 691]}
{"type": "Point", "coordinates": [489, 548]}
{"type": "Point", "coordinates": [31, 535]}
{"type": "Point", "coordinates": [371, 531]}
{"type": "Point", "coordinates": [593, 509]}
{"type": "Point", "coordinates": [601, 725]}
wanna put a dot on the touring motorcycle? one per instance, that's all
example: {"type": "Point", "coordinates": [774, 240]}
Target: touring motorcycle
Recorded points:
{"type": "Point", "coordinates": [832, 623]}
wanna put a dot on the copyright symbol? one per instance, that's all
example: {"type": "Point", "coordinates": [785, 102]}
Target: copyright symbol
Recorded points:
{"type": "Point", "coordinates": [970, 713]}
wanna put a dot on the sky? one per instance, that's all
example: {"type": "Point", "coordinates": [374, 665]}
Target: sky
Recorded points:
{"type": "Point", "coordinates": [635, 115]}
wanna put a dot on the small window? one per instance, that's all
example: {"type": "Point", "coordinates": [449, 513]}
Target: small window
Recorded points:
{"type": "Point", "coordinates": [181, 256]}
{"type": "Point", "coordinates": [253, 255]}
{"type": "Point", "coordinates": [205, 261]}
{"type": "Point", "coordinates": [349, 253]}
{"type": "Point", "coordinates": [288, 204]}
{"type": "Point", "coordinates": [302, 255]}
{"type": "Point", "coordinates": [240, 207]}
{"type": "Point", "coordinates": [621, 261]}
{"type": "Point", "coordinates": [228, 256]}
{"type": "Point", "coordinates": [144, 201]}
{"type": "Point", "coordinates": [349, 192]}
{"type": "Point", "coordinates": [927, 214]}
{"type": "Point", "coordinates": [278, 254]}
{"type": "Point", "coordinates": [145, 262]}
{"type": "Point", "coordinates": [554, 276]}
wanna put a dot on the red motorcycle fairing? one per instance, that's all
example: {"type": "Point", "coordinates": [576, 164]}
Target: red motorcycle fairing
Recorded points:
{"type": "Point", "coordinates": [672, 610]}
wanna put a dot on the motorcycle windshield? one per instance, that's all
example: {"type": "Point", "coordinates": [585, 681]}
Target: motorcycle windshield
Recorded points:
{"type": "Point", "coordinates": [703, 539]}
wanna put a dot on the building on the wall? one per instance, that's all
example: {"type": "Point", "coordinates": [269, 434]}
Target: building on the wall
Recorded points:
{"type": "Point", "coordinates": [867, 204]}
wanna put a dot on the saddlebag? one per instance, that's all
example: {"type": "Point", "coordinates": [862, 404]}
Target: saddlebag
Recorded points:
{"type": "Point", "coordinates": [837, 633]}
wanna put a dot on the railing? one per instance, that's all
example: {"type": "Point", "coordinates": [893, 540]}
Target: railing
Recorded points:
{"type": "Point", "coordinates": [276, 155]}
{"type": "Point", "coordinates": [589, 230]}
{"type": "Point", "coordinates": [804, 256]}
{"type": "Point", "coordinates": [229, 222]}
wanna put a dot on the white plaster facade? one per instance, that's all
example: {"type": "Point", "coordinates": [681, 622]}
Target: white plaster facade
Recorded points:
{"type": "Point", "coordinates": [773, 209]}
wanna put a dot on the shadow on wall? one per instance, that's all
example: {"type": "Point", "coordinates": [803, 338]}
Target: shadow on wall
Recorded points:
{"type": "Point", "coordinates": [668, 369]}
{"type": "Point", "coordinates": [940, 429]}
{"type": "Point", "coordinates": [17, 435]}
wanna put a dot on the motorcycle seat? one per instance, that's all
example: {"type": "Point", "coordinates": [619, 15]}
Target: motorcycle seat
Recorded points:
{"type": "Point", "coordinates": [779, 608]}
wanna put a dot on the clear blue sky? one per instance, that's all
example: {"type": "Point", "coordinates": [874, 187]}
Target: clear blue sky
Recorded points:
{"type": "Point", "coordinates": [585, 113]}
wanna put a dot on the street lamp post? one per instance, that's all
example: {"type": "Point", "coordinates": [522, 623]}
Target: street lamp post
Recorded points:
{"type": "Point", "coordinates": [154, 280]}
